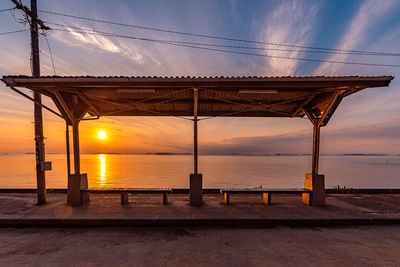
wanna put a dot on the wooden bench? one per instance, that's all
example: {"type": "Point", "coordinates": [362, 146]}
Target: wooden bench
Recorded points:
{"type": "Point", "coordinates": [266, 192]}
{"type": "Point", "coordinates": [124, 192]}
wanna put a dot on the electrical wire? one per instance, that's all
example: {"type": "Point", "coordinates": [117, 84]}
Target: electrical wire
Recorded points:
{"type": "Point", "coordinates": [28, 19]}
{"type": "Point", "coordinates": [24, 21]}
{"type": "Point", "coordinates": [249, 47]}
{"type": "Point", "coordinates": [180, 44]}
{"type": "Point", "coordinates": [51, 54]}
{"type": "Point", "coordinates": [213, 36]}
{"type": "Point", "coordinates": [209, 47]}
{"type": "Point", "coordinates": [5, 33]}
{"type": "Point", "coordinates": [7, 9]}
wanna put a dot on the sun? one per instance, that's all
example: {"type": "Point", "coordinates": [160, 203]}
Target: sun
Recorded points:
{"type": "Point", "coordinates": [102, 135]}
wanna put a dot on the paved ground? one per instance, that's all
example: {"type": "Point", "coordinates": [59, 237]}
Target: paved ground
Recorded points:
{"type": "Point", "coordinates": [361, 246]}
{"type": "Point", "coordinates": [149, 207]}
{"type": "Point", "coordinates": [185, 246]}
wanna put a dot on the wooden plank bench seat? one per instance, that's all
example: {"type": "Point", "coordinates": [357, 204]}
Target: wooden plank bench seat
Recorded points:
{"type": "Point", "coordinates": [124, 192]}
{"type": "Point", "coordinates": [266, 192]}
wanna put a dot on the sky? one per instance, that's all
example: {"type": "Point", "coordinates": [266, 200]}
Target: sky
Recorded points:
{"type": "Point", "coordinates": [365, 122]}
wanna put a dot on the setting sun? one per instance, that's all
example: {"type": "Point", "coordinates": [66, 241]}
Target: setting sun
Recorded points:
{"type": "Point", "coordinates": [102, 135]}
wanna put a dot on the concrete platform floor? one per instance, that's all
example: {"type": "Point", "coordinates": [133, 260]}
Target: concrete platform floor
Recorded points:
{"type": "Point", "coordinates": [149, 209]}
{"type": "Point", "coordinates": [200, 246]}
{"type": "Point", "coordinates": [281, 246]}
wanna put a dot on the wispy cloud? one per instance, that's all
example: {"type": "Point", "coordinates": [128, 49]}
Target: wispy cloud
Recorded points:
{"type": "Point", "coordinates": [291, 22]}
{"type": "Point", "coordinates": [94, 40]}
{"type": "Point", "coordinates": [138, 52]}
{"type": "Point", "coordinates": [368, 15]}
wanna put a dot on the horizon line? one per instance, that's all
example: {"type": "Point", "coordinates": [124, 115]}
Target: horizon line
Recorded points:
{"type": "Point", "coordinates": [214, 154]}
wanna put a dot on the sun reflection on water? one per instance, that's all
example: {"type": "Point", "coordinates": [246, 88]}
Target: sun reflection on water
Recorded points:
{"type": "Point", "coordinates": [102, 158]}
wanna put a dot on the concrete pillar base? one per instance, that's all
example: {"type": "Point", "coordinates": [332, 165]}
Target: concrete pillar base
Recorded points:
{"type": "Point", "coordinates": [226, 198]}
{"type": "Point", "coordinates": [267, 198]}
{"type": "Point", "coordinates": [165, 199]}
{"type": "Point", "coordinates": [196, 190]}
{"type": "Point", "coordinates": [315, 183]}
{"type": "Point", "coordinates": [77, 182]}
{"type": "Point", "coordinates": [124, 198]}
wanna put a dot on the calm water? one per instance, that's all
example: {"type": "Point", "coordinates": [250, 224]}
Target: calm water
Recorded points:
{"type": "Point", "coordinates": [17, 171]}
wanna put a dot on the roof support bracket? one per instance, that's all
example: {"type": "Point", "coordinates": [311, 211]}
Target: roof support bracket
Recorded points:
{"type": "Point", "coordinates": [327, 113]}
{"type": "Point", "coordinates": [72, 106]}
{"type": "Point", "coordinates": [89, 104]}
{"type": "Point", "coordinates": [303, 104]}
{"type": "Point", "coordinates": [333, 104]}
{"type": "Point", "coordinates": [64, 107]}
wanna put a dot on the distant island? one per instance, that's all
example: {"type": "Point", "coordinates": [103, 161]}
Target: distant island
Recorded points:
{"type": "Point", "coordinates": [147, 153]}
{"type": "Point", "coordinates": [355, 154]}
{"type": "Point", "coordinates": [167, 153]}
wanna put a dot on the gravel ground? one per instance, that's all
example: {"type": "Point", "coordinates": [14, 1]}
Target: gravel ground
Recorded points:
{"type": "Point", "coordinates": [356, 246]}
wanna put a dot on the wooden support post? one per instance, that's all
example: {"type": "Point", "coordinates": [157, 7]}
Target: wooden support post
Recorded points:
{"type": "Point", "coordinates": [316, 182]}
{"type": "Point", "coordinates": [313, 181]}
{"type": "Point", "coordinates": [68, 149]}
{"type": "Point", "coordinates": [315, 153]}
{"type": "Point", "coordinates": [74, 110]}
{"type": "Point", "coordinates": [196, 179]}
{"type": "Point", "coordinates": [78, 180]}
{"type": "Point", "coordinates": [75, 132]}
{"type": "Point", "coordinates": [195, 141]}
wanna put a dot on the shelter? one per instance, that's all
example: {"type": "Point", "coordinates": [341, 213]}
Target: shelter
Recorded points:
{"type": "Point", "coordinates": [314, 97]}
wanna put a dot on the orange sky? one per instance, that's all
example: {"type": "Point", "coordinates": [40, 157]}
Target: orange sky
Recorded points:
{"type": "Point", "coordinates": [216, 136]}
{"type": "Point", "coordinates": [366, 122]}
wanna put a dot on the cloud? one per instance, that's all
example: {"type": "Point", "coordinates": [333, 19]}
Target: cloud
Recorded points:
{"type": "Point", "coordinates": [376, 138]}
{"type": "Point", "coordinates": [291, 22]}
{"type": "Point", "coordinates": [368, 15]}
{"type": "Point", "coordinates": [139, 54]}
{"type": "Point", "coordinates": [258, 145]}
{"type": "Point", "coordinates": [95, 40]}
{"type": "Point", "coordinates": [283, 21]}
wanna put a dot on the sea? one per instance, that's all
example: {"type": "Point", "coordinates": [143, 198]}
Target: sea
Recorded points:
{"type": "Point", "coordinates": [277, 171]}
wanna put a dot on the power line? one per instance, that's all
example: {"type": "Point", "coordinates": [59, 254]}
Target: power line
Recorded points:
{"type": "Point", "coordinates": [51, 54]}
{"type": "Point", "coordinates": [173, 43]}
{"type": "Point", "coordinates": [7, 9]}
{"type": "Point", "coordinates": [5, 33]}
{"type": "Point", "coordinates": [214, 37]}
{"type": "Point", "coordinates": [230, 51]}
{"type": "Point", "coordinates": [255, 48]}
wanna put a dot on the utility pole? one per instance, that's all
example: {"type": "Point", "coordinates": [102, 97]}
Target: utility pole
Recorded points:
{"type": "Point", "coordinates": [39, 142]}
{"type": "Point", "coordinates": [39, 139]}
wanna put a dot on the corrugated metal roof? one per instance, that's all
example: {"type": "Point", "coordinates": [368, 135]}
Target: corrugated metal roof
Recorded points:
{"type": "Point", "coordinates": [247, 96]}
{"type": "Point", "coordinates": [207, 77]}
